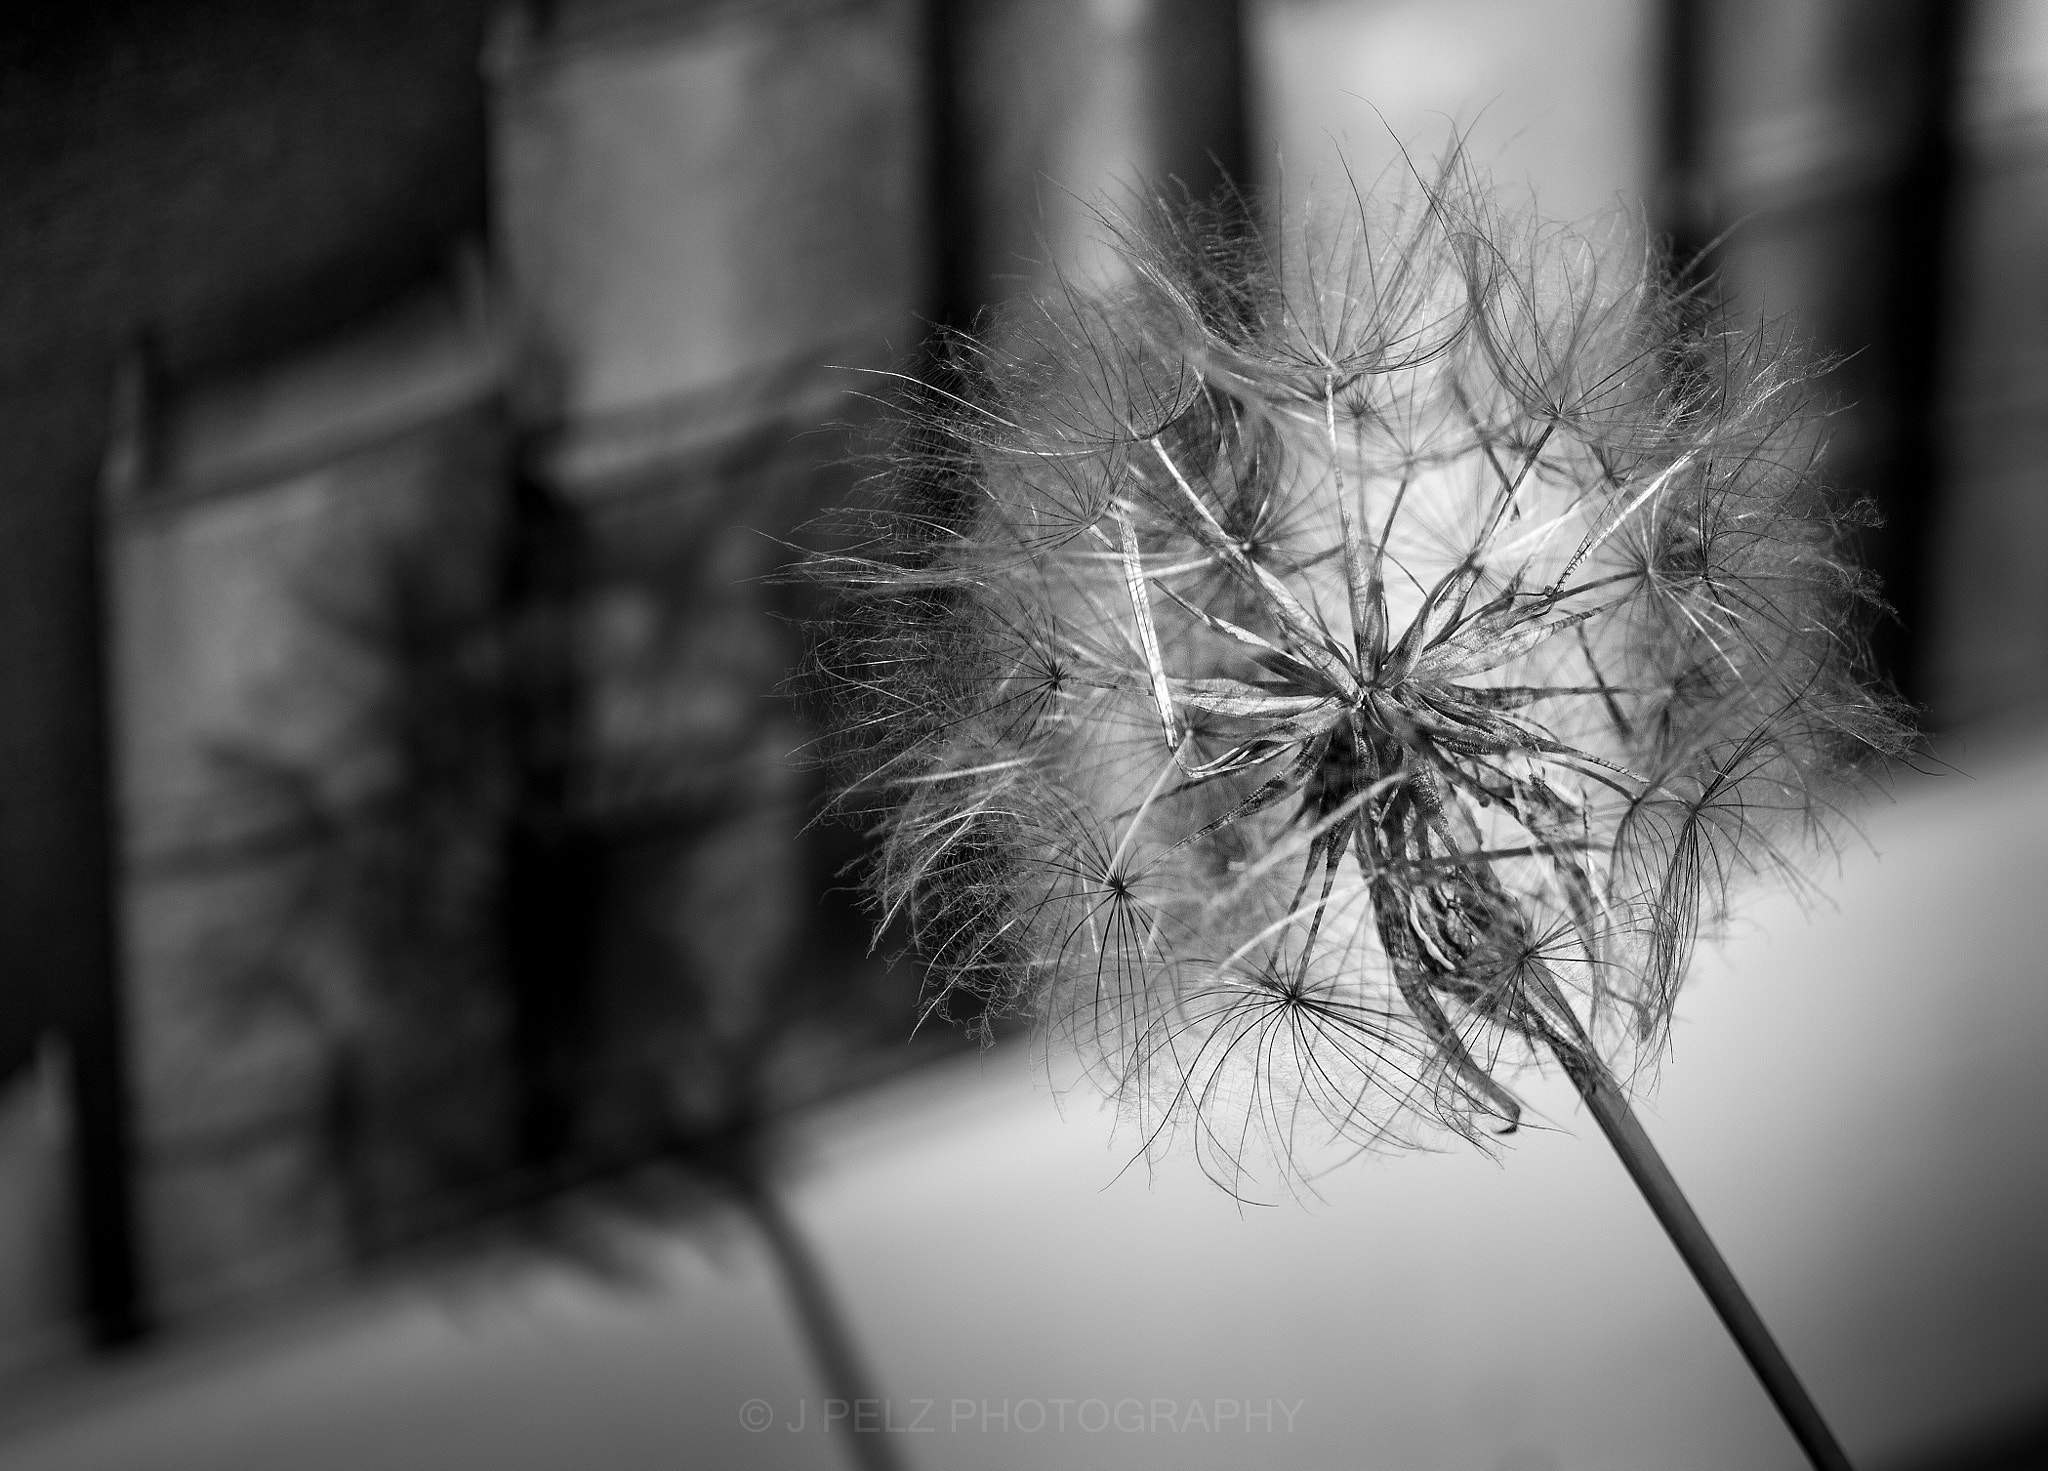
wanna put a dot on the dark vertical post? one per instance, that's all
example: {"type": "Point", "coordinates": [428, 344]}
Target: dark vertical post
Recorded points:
{"type": "Point", "coordinates": [551, 882]}
{"type": "Point", "coordinates": [951, 221]}
{"type": "Point", "coordinates": [1197, 94]}
{"type": "Point", "coordinates": [1922, 228]}
{"type": "Point", "coordinates": [1682, 197]}
{"type": "Point", "coordinates": [1052, 108]}
{"type": "Point", "coordinates": [95, 1026]}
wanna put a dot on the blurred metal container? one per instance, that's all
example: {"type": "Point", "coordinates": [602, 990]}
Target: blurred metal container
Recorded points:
{"type": "Point", "coordinates": [1988, 634]}
{"type": "Point", "coordinates": [699, 207]}
{"type": "Point", "coordinates": [294, 556]}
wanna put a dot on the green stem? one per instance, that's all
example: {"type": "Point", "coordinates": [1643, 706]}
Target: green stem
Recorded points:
{"type": "Point", "coordinates": [1668, 1203]}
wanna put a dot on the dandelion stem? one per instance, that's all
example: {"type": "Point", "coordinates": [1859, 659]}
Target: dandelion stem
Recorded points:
{"type": "Point", "coordinates": [824, 1324]}
{"type": "Point", "coordinates": [1709, 1268]}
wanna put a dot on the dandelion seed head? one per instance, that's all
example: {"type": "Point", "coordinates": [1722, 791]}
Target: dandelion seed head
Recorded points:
{"type": "Point", "coordinates": [1345, 664]}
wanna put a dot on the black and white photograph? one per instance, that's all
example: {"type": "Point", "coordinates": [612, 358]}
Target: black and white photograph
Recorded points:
{"type": "Point", "coordinates": [1024, 735]}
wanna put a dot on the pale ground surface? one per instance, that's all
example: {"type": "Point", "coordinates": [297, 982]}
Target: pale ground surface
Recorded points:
{"type": "Point", "coordinates": [1853, 1102]}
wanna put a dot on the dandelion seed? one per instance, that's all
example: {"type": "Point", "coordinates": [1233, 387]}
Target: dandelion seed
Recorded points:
{"type": "Point", "coordinates": [1339, 671]}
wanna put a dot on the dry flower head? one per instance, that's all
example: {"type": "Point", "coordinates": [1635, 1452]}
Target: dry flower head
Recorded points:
{"type": "Point", "coordinates": [1343, 665]}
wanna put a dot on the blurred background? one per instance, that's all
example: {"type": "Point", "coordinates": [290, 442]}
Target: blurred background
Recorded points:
{"type": "Point", "coordinates": [430, 1033]}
